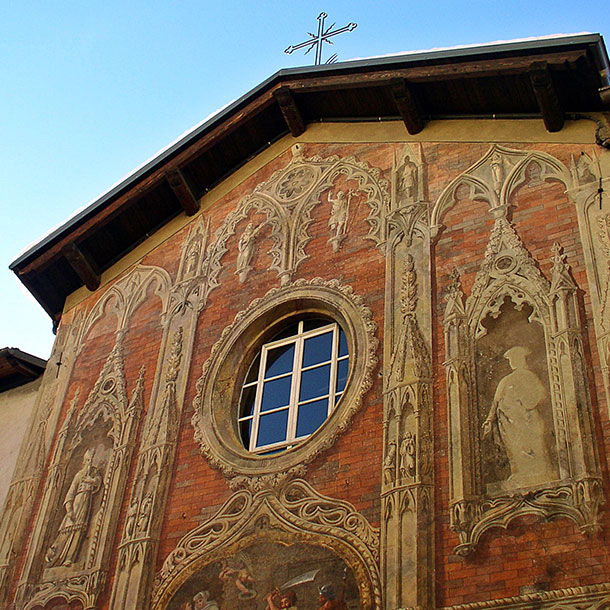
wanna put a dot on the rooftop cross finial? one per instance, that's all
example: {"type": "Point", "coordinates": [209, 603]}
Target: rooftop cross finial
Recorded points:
{"type": "Point", "coordinates": [322, 36]}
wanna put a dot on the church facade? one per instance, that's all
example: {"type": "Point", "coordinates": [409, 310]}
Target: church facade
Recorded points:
{"type": "Point", "coordinates": [310, 358]}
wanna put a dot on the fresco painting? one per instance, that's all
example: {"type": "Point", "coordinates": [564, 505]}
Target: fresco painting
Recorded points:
{"type": "Point", "coordinates": [271, 576]}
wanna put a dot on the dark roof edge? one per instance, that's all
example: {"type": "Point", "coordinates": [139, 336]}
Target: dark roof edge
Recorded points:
{"type": "Point", "coordinates": [24, 357]}
{"type": "Point", "coordinates": [538, 44]}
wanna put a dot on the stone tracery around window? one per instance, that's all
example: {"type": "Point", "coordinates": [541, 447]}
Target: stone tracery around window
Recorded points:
{"type": "Point", "coordinates": [226, 372]}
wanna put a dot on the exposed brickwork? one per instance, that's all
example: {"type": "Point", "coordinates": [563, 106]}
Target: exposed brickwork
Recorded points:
{"type": "Point", "coordinates": [529, 551]}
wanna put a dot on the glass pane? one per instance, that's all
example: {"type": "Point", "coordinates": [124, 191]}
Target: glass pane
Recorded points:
{"type": "Point", "coordinates": [253, 370]}
{"type": "Point", "coordinates": [245, 429]}
{"type": "Point", "coordinates": [272, 428]}
{"type": "Point", "coordinates": [317, 349]}
{"type": "Point", "coordinates": [248, 395]}
{"type": "Point", "coordinates": [314, 323]}
{"type": "Point", "coordinates": [291, 331]}
{"type": "Point", "coordinates": [315, 382]}
{"type": "Point", "coordinates": [342, 343]}
{"type": "Point", "coordinates": [276, 393]}
{"type": "Point", "coordinates": [280, 360]}
{"type": "Point", "coordinates": [311, 416]}
{"type": "Point", "coordinates": [342, 370]}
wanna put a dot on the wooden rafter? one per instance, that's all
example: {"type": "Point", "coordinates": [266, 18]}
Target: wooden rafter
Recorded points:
{"type": "Point", "coordinates": [546, 95]}
{"type": "Point", "coordinates": [290, 111]}
{"type": "Point", "coordinates": [183, 193]}
{"type": "Point", "coordinates": [82, 266]}
{"type": "Point", "coordinates": [406, 105]}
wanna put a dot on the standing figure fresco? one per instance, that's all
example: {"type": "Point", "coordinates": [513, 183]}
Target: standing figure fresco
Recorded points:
{"type": "Point", "coordinates": [515, 422]}
{"type": "Point", "coordinates": [77, 505]}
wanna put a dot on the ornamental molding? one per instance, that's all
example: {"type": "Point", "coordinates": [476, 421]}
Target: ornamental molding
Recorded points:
{"type": "Point", "coordinates": [592, 597]}
{"type": "Point", "coordinates": [126, 295]}
{"type": "Point", "coordinates": [496, 177]}
{"type": "Point", "coordinates": [218, 388]}
{"type": "Point", "coordinates": [293, 512]}
{"type": "Point", "coordinates": [287, 200]}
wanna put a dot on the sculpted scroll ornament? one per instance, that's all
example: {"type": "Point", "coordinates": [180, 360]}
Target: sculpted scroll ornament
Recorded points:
{"type": "Point", "coordinates": [293, 512]}
{"type": "Point", "coordinates": [548, 481]}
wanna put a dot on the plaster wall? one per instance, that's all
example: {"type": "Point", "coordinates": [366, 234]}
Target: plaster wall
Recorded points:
{"type": "Point", "coordinates": [16, 407]}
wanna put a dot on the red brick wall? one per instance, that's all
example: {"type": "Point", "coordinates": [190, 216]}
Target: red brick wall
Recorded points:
{"type": "Point", "coordinates": [506, 560]}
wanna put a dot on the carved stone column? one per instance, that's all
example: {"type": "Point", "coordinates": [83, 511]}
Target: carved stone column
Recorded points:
{"type": "Point", "coordinates": [407, 538]}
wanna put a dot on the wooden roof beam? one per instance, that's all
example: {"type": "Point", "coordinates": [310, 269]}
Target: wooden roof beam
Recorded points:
{"type": "Point", "coordinates": [407, 106]}
{"type": "Point", "coordinates": [82, 266]}
{"type": "Point", "coordinates": [183, 193]}
{"type": "Point", "coordinates": [546, 95]}
{"type": "Point", "coordinates": [290, 111]}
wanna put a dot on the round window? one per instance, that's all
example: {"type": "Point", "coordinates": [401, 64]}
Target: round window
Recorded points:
{"type": "Point", "coordinates": [285, 379]}
{"type": "Point", "coordinates": [293, 385]}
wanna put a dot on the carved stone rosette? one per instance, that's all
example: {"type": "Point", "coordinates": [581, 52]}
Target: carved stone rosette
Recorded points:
{"type": "Point", "coordinates": [407, 532]}
{"type": "Point", "coordinates": [294, 512]}
{"type": "Point", "coordinates": [565, 479]}
{"type": "Point", "coordinates": [287, 200]}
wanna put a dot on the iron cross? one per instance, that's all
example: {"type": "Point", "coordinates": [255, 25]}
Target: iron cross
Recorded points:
{"type": "Point", "coordinates": [322, 36]}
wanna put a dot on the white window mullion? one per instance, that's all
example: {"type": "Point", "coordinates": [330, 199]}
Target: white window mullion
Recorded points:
{"type": "Point", "coordinates": [259, 399]}
{"type": "Point", "coordinates": [333, 370]}
{"type": "Point", "coordinates": [296, 386]}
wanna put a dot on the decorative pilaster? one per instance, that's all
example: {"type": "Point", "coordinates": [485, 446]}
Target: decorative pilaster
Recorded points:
{"type": "Point", "coordinates": [146, 506]}
{"type": "Point", "coordinates": [407, 531]}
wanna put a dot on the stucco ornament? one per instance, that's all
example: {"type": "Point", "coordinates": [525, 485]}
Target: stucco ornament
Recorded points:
{"type": "Point", "coordinates": [294, 512]}
{"type": "Point", "coordinates": [514, 453]}
{"type": "Point", "coordinates": [69, 558]}
{"type": "Point", "coordinates": [588, 191]}
{"type": "Point", "coordinates": [218, 388]}
{"type": "Point", "coordinates": [286, 201]}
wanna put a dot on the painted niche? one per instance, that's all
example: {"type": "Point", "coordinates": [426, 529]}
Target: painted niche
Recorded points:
{"type": "Point", "coordinates": [520, 420]}
{"type": "Point", "coordinates": [270, 576]}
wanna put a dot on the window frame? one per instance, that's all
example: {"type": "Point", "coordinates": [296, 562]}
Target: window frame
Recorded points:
{"type": "Point", "coordinates": [333, 395]}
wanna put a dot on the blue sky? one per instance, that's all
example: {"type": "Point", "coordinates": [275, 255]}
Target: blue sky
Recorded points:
{"type": "Point", "coordinates": [94, 89]}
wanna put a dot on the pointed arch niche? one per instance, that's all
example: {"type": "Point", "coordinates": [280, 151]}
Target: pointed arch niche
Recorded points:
{"type": "Point", "coordinates": [520, 425]}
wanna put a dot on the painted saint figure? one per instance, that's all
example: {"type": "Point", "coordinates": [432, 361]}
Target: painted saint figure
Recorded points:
{"type": "Point", "coordinates": [202, 601]}
{"type": "Point", "coordinates": [77, 504]}
{"type": "Point", "coordinates": [246, 250]}
{"type": "Point", "coordinates": [516, 419]}
{"type": "Point", "coordinates": [338, 217]}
